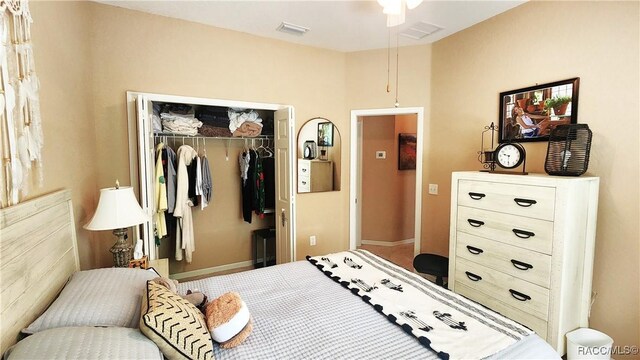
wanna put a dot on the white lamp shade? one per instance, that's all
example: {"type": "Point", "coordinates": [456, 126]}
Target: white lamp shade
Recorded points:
{"type": "Point", "coordinates": [117, 208]}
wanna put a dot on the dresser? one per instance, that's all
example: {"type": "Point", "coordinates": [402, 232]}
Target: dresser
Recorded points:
{"type": "Point", "coordinates": [524, 246]}
{"type": "Point", "coordinates": [315, 175]}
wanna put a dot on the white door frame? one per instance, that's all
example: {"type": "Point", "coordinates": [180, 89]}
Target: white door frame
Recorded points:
{"type": "Point", "coordinates": [353, 172]}
{"type": "Point", "coordinates": [145, 166]}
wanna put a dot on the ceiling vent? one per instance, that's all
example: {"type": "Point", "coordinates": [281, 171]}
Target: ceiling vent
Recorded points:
{"type": "Point", "coordinates": [292, 29]}
{"type": "Point", "coordinates": [420, 30]}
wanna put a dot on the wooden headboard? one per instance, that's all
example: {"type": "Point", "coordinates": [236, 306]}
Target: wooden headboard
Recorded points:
{"type": "Point", "coordinates": [38, 253]}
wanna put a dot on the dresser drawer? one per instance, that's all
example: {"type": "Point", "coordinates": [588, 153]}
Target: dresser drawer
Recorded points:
{"type": "Point", "coordinates": [304, 167]}
{"type": "Point", "coordinates": [532, 234]}
{"type": "Point", "coordinates": [528, 297]}
{"type": "Point", "coordinates": [528, 320]}
{"type": "Point", "coordinates": [525, 200]}
{"type": "Point", "coordinates": [304, 183]}
{"type": "Point", "coordinates": [524, 264]}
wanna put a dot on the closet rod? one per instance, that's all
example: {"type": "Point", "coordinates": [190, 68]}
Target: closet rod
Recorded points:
{"type": "Point", "coordinates": [177, 136]}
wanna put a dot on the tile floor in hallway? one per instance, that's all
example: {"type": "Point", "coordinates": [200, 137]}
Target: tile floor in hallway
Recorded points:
{"type": "Point", "coordinates": [401, 255]}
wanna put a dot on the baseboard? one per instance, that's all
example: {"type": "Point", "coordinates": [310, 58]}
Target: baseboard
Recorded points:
{"type": "Point", "coordinates": [387, 243]}
{"type": "Point", "coordinates": [211, 270]}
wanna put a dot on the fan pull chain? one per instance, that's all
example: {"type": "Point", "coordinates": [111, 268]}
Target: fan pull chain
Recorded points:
{"type": "Point", "coordinates": [389, 61]}
{"type": "Point", "coordinates": [397, 63]}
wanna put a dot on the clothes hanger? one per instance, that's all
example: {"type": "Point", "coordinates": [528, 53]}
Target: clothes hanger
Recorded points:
{"type": "Point", "coordinates": [269, 149]}
{"type": "Point", "coordinates": [204, 147]}
{"type": "Point", "coordinates": [260, 149]}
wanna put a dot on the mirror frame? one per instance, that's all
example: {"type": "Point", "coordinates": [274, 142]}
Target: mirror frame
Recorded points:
{"type": "Point", "coordinates": [337, 162]}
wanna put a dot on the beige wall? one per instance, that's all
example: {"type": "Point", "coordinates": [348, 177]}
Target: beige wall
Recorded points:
{"type": "Point", "coordinates": [596, 41]}
{"type": "Point", "coordinates": [406, 185]}
{"type": "Point", "coordinates": [63, 59]}
{"type": "Point", "coordinates": [388, 194]}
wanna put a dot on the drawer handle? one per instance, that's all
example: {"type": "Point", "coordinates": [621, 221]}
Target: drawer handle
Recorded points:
{"type": "Point", "coordinates": [519, 296]}
{"type": "Point", "coordinates": [522, 234]}
{"type": "Point", "coordinates": [521, 265]}
{"type": "Point", "coordinates": [524, 202]}
{"type": "Point", "coordinates": [474, 250]}
{"type": "Point", "coordinates": [475, 223]}
{"type": "Point", "coordinates": [472, 276]}
{"type": "Point", "coordinates": [476, 196]}
{"type": "Point", "coordinates": [304, 182]}
{"type": "Point", "coordinates": [304, 170]}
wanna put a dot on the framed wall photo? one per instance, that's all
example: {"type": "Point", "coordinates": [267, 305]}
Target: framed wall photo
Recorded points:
{"type": "Point", "coordinates": [407, 151]}
{"type": "Point", "coordinates": [529, 114]}
{"type": "Point", "coordinates": [325, 134]}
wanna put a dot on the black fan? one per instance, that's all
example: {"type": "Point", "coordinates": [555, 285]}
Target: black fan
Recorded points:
{"type": "Point", "coordinates": [568, 150]}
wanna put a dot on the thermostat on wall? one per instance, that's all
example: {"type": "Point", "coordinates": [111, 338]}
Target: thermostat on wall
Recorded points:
{"type": "Point", "coordinates": [381, 154]}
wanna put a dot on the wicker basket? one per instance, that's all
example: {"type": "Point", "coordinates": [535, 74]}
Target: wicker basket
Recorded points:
{"type": "Point", "coordinates": [568, 150]}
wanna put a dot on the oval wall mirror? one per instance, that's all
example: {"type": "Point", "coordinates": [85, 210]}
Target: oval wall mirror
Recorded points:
{"type": "Point", "coordinates": [319, 151]}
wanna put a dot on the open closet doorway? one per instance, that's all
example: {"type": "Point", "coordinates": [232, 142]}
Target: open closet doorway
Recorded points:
{"type": "Point", "coordinates": [386, 182]}
{"type": "Point", "coordinates": [229, 233]}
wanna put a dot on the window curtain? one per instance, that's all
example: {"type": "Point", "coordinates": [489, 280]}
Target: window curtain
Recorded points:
{"type": "Point", "coordinates": [22, 139]}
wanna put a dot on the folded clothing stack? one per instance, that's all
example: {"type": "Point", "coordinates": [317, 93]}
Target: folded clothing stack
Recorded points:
{"type": "Point", "coordinates": [244, 123]}
{"type": "Point", "coordinates": [215, 121]}
{"type": "Point", "coordinates": [180, 124]}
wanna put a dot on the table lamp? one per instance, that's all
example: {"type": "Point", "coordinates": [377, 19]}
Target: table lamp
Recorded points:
{"type": "Point", "coordinates": [117, 210]}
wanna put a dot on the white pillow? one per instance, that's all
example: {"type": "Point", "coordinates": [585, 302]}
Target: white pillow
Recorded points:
{"type": "Point", "coordinates": [85, 343]}
{"type": "Point", "coordinates": [100, 297]}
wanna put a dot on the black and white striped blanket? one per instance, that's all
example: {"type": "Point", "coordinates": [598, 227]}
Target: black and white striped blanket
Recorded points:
{"type": "Point", "coordinates": [447, 323]}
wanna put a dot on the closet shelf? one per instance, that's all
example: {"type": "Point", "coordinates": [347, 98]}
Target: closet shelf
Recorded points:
{"type": "Point", "coordinates": [177, 136]}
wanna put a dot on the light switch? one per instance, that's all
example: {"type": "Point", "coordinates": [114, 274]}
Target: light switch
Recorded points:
{"type": "Point", "coordinates": [381, 154]}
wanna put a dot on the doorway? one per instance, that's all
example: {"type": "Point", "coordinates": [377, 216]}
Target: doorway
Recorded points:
{"type": "Point", "coordinates": [389, 225]}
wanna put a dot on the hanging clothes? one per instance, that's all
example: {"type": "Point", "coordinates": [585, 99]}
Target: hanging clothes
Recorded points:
{"type": "Point", "coordinates": [199, 180]}
{"type": "Point", "coordinates": [169, 167]}
{"type": "Point", "coordinates": [244, 160]}
{"type": "Point", "coordinates": [207, 186]}
{"type": "Point", "coordinates": [269, 169]}
{"type": "Point", "coordinates": [192, 170]}
{"type": "Point", "coordinates": [169, 162]}
{"type": "Point", "coordinates": [185, 240]}
{"type": "Point", "coordinates": [248, 184]}
{"type": "Point", "coordinates": [160, 197]}
{"type": "Point", "coordinates": [259, 190]}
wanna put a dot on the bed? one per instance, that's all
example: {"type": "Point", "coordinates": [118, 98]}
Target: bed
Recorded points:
{"type": "Point", "coordinates": [299, 310]}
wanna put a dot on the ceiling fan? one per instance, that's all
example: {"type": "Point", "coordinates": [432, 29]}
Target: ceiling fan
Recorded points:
{"type": "Point", "coordinates": [396, 9]}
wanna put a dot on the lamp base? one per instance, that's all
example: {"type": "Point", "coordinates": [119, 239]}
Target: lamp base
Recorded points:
{"type": "Point", "coordinates": [121, 250]}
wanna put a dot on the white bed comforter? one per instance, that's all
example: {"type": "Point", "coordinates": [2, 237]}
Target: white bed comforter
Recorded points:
{"type": "Point", "coordinates": [299, 313]}
{"type": "Point", "coordinates": [447, 323]}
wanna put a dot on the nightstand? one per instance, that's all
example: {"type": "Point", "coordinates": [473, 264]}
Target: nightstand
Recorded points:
{"type": "Point", "coordinates": [161, 266]}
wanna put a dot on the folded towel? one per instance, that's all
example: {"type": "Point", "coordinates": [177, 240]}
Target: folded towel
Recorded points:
{"type": "Point", "coordinates": [248, 129]}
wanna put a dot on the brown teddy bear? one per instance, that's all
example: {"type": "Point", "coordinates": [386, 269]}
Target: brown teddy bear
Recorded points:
{"type": "Point", "coordinates": [197, 298]}
{"type": "Point", "coordinates": [228, 320]}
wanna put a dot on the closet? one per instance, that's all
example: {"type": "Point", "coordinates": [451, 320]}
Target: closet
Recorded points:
{"type": "Point", "coordinates": [223, 231]}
